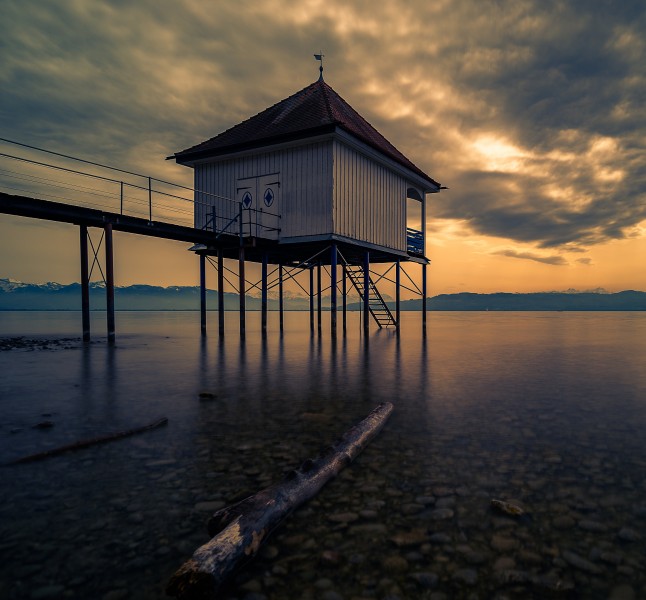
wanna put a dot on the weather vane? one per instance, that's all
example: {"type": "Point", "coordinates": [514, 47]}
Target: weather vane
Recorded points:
{"type": "Point", "coordinates": [320, 57]}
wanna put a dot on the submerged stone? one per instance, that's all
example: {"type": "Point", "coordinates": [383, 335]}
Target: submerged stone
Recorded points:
{"type": "Point", "coordinates": [210, 505]}
{"type": "Point", "coordinates": [406, 539]}
{"type": "Point", "coordinates": [394, 564]}
{"type": "Point", "coordinates": [628, 535]}
{"type": "Point", "coordinates": [466, 576]}
{"type": "Point", "coordinates": [426, 580]}
{"type": "Point", "coordinates": [578, 562]}
{"type": "Point", "coordinates": [441, 514]}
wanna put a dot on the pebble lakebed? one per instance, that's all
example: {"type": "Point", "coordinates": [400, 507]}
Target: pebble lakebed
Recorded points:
{"type": "Point", "coordinates": [410, 518]}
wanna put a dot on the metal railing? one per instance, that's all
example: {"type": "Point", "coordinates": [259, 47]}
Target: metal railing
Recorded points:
{"type": "Point", "coordinates": [415, 241]}
{"type": "Point", "coordinates": [105, 188]}
{"type": "Point", "coordinates": [224, 219]}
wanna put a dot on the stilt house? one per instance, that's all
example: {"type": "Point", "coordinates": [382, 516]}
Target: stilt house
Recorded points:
{"type": "Point", "coordinates": [307, 174]}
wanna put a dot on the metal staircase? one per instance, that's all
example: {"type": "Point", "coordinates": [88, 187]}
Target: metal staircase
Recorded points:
{"type": "Point", "coordinates": [376, 304]}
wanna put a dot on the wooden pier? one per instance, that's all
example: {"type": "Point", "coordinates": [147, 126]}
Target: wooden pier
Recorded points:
{"type": "Point", "coordinates": [287, 260]}
{"type": "Point", "coordinates": [306, 186]}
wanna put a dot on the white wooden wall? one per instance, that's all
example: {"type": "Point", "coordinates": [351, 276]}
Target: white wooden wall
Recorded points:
{"type": "Point", "coordinates": [305, 174]}
{"type": "Point", "coordinates": [325, 188]}
{"type": "Point", "coordinates": [369, 200]}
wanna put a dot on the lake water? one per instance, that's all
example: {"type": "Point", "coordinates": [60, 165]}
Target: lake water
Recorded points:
{"type": "Point", "coordinates": [547, 410]}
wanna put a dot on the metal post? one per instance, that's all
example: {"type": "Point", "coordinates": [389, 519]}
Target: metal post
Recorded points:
{"type": "Point", "coordinates": [311, 298]}
{"type": "Point", "coordinates": [424, 298]}
{"type": "Point", "coordinates": [333, 264]}
{"type": "Point", "coordinates": [220, 292]}
{"type": "Point", "coordinates": [85, 285]}
{"type": "Point", "coordinates": [109, 283]}
{"type": "Point", "coordinates": [366, 291]}
{"type": "Point", "coordinates": [344, 294]}
{"type": "Point", "coordinates": [241, 282]}
{"type": "Point", "coordinates": [263, 295]}
{"type": "Point", "coordinates": [424, 265]}
{"type": "Point", "coordinates": [240, 220]}
{"type": "Point", "coordinates": [121, 195]}
{"type": "Point", "coordinates": [241, 290]}
{"type": "Point", "coordinates": [203, 294]}
{"type": "Point", "coordinates": [150, 200]}
{"type": "Point", "coordinates": [281, 306]}
{"type": "Point", "coordinates": [318, 295]}
{"type": "Point", "coordinates": [397, 292]}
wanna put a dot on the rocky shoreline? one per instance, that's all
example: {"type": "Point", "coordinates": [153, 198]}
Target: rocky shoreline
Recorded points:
{"type": "Point", "coordinates": [29, 344]}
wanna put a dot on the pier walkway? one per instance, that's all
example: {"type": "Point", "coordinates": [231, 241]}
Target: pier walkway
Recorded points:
{"type": "Point", "coordinates": [113, 199]}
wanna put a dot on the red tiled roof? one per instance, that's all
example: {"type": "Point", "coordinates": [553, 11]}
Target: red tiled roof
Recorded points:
{"type": "Point", "coordinates": [314, 110]}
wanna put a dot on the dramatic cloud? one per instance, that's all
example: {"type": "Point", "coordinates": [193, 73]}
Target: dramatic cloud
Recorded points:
{"type": "Point", "coordinates": [548, 260]}
{"type": "Point", "coordinates": [531, 111]}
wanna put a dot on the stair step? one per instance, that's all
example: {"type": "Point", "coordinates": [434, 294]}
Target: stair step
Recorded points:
{"type": "Point", "coordinates": [376, 305]}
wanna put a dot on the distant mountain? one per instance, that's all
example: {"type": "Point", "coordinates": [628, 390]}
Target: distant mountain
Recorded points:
{"type": "Point", "coordinates": [15, 295]}
{"type": "Point", "coordinates": [548, 301]}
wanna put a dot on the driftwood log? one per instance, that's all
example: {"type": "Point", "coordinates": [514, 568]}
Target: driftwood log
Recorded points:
{"type": "Point", "coordinates": [239, 530]}
{"type": "Point", "coordinates": [89, 442]}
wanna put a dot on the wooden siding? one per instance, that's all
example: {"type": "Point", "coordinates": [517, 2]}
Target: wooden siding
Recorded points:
{"type": "Point", "coordinates": [305, 174]}
{"type": "Point", "coordinates": [369, 200]}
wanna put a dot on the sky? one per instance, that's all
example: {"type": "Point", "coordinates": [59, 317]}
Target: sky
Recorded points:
{"type": "Point", "coordinates": [531, 112]}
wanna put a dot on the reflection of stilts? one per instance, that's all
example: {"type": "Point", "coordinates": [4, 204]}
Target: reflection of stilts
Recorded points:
{"type": "Point", "coordinates": [281, 304]}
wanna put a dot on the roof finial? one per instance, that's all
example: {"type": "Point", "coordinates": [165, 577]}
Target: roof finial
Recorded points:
{"type": "Point", "coordinates": [320, 57]}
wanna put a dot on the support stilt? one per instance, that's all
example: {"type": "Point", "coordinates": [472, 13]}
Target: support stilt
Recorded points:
{"type": "Point", "coordinates": [366, 291]}
{"type": "Point", "coordinates": [312, 298]}
{"type": "Point", "coordinates": [263, 295]}
{"type": "Point", "coordinates": [109, 282]}
{"type": "Point", "coordinates": [85, 285]}
{"type": "Point", "coordinates": [241, 290]}
{"type": "Point", "coordinates": [344, 294]}
{"type": "Point", "coordinates": [220, 292]}
{"type": "Point", "coordinates": [281, 306]}
{"type": "Point", "coordinates": [333, 263]}
{"type": "Point", "coordinates": [397, 293]}
{"type": "Point", "coordinates": [318, 295]}
{"type": "Point", "coordinates": [424, 266]}
{"type": "Point", "coordinates": [424, 298]}
{"type": "Point", "coordinates": [203, 294]}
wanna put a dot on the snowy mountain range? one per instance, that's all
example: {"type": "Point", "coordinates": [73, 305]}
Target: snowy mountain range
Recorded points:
{"type": "Point", "coordinates": [16, 295]}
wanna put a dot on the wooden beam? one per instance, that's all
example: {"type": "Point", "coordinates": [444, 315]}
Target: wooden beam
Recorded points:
{"type": "Point", "coordinates": [220, 292]}
{"type": "Point", "coordinates": [109, 283]}
{"type": "Point", "coordinates": [241, 291]}
{"type": "Point", "coordinates": [333, 269]}
{"type": "Point", "coordinates": [85, 285]}
{"type": "Point", "coordinates": [203, 294]}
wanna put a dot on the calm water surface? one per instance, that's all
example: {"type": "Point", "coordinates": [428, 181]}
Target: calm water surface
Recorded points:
{"type": "Point", "coordinates": [545, 409]}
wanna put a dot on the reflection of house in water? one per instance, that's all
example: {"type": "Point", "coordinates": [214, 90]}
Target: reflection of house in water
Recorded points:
{"type": "Point", "coordinates": [309, 182]}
